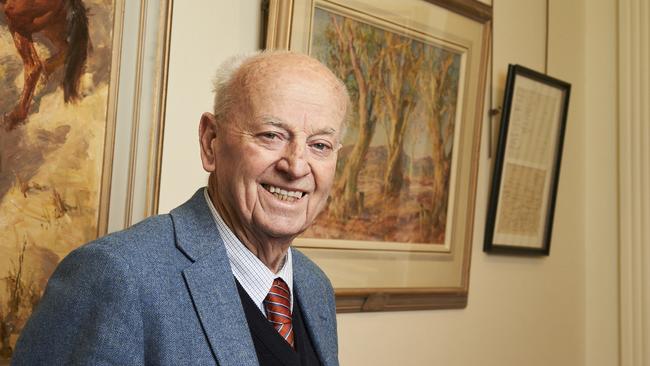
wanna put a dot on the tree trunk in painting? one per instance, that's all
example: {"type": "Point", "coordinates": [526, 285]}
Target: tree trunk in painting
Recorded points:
{"type": "Point", "coordinates": [346, 202]}
{"type": "Point", "coordinates": [434, 89]}
{"type": "Point", "coordinates": [398, 80]}
{"type": "Point", "coordinates": [394, 176]}
{"type": "Point", "coordinates": [440, 175]}
{"type": "Point", "coordinates": [351, 41]}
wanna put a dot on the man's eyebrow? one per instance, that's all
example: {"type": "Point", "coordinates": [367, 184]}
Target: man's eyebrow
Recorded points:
{"type": "Point", "coordinates": [279, 123]}
{"type": "Point", "coordinates": [274, 121]}
{"type": "Point", "coordinates": [326, 131]}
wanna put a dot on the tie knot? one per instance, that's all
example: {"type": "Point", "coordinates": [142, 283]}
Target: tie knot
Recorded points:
{"type": "Point", "coordinates": [280, 288]}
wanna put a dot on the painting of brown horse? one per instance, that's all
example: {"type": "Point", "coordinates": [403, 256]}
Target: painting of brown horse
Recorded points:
{"type": "Point", "coordinates": [65, 24]}
{"type": "Point", "coordinates": [56, 103]}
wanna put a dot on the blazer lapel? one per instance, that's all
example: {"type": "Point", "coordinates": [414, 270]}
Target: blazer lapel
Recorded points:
{"type": "Point", "coordinates": [314, 311]}
{"type": "Point", "coordinates": [211, 284]}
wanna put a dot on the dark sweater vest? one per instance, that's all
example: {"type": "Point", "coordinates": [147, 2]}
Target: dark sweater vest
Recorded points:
{"type": "Point", "coordinates": [271, 348]}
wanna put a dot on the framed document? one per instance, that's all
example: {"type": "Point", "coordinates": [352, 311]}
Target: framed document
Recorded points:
{"type": "Point", "coordinates": [527, 164]}
{"type": "Point", "coordinates": [397, 231]}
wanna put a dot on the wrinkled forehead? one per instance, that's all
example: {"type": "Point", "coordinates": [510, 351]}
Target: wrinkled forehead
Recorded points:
{"type": "Point", "coordinates": [267, 66]}
{"type": "Point", "coordinates": [273, 75]}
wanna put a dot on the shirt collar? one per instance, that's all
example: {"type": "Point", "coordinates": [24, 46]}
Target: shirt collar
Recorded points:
{"type": "Point", "coordinates": [253, 275]}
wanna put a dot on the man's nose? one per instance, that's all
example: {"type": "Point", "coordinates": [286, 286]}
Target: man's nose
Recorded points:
{"type": "Point", "coordinates": [294, 160]}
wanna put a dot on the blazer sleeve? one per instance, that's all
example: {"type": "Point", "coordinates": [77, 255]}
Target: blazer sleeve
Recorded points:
{"type": "Point", "coordinates": [90, 314]}
{"type": "Point", "coordinates": [330, 299]}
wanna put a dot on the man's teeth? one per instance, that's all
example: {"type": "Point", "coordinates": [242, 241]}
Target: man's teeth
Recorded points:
{"type": "Point", "coordinates": [284, 195]}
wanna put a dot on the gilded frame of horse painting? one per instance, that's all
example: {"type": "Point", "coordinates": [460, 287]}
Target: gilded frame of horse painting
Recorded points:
{"type": "Point", "coordinates": [62, 129]}
{"type": "Point", "coordinates": [397, 231]}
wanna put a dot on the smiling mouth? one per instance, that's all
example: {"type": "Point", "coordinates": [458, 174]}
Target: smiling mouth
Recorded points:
{"type": "Point", "coordinates": [284, 195]}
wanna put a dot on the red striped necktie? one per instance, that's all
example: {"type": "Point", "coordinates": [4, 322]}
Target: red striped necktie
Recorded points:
{"type": "Point", "coordinates": [278, 309]}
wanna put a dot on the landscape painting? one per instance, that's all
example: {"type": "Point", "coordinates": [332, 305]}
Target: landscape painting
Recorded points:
{"type": "Point", "coordinates": [55, 72]}
{"type": "Point", "coordinates": [395, 169]}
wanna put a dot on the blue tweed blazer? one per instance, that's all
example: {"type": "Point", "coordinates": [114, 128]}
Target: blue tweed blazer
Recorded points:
{"type": "Point", "coordinates": [161, 293]}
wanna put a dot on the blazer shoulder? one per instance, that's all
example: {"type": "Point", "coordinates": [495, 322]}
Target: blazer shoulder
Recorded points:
{"type": "Point", "coordinates": [140, 237]}
{"type": "Point", "coordinates": [122, 253]}
{"type": "Point", "coordinates": [91, 302]}
{"type": "Point", "coordinates": [310, 270]}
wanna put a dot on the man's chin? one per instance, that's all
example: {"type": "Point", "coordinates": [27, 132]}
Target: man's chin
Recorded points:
{"type": "Point", "coordinates": [282, 231]}
{"type": "Point", "coordinates": [286, 235]}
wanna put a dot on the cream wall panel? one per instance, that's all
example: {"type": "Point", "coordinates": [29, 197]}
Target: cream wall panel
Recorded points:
{"type": "Point", "coordinates": [519, 38]}
{"type": "Point", "coordinates": [634, 179]}
{"type": "Point", "coordinates": [204, 33]}
{"type": "Point", "coordinates": [601, 201]}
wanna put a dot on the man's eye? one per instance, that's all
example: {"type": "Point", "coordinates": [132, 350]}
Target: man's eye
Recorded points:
{"type": "Point", "coordinates": [270, 136]}
{"type": "Point", "coordinates": [321, 147]}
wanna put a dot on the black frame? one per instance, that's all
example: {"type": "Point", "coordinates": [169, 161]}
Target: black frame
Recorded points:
{"type": "Point", "coordinates": [514, 73]}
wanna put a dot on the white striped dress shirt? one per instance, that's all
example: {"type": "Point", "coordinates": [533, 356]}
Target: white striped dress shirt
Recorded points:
{"type": "Point", "coordinates": [255, 277]}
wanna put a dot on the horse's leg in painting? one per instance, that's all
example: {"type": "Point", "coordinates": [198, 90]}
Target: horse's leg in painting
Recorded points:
{"type": "Point", "coordinates": [33, 69]}
{"type": "Point", "coordinates": [56, 32]}
{"type": "Point", "coordinates": [65, 23]}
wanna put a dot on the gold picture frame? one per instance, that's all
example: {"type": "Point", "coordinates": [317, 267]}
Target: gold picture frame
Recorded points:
{"type": "Point", "coordinates": [424, 271]}
{"type": "Point", "coordinates": [139, 132]}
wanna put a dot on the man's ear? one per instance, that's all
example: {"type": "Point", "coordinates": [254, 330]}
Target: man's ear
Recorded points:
{"type": "Point", "coordinates": [207, 136]}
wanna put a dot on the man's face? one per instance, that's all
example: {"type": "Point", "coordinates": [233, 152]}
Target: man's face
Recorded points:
{"type": "Point", "coordinates": [276, 155]}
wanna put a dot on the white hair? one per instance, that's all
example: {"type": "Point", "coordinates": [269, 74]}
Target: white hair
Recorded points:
{"type": "Point", "coordinates": [224, 91]}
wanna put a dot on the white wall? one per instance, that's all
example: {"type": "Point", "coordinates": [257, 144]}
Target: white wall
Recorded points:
{"type": "Point", "coordinates": [522, 311]}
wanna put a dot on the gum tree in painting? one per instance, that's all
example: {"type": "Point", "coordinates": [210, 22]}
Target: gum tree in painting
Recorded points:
{"type": "Point", "coordinates": [354, 55]}
{"type": "Point", "coordinates": [393, 173]}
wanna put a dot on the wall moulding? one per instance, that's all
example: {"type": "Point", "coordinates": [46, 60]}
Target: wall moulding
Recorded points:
{"type": "Point", "coordinates": [634, 181]}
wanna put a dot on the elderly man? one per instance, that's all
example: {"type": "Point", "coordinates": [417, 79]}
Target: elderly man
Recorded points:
{"type": "Point", "coordinates": [215, 281]}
